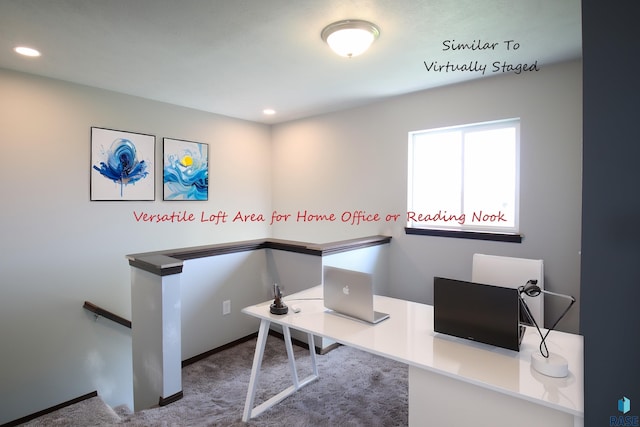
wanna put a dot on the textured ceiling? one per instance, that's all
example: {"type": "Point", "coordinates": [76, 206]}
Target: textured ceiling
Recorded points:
{"type": "Point", "coordinates": [237, 57]}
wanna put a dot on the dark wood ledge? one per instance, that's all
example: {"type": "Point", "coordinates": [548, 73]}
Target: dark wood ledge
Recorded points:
{"type": "Point", "coordinates": [350, 245]}
{"type": "Point", "coordinates": [458, 234]}
{"type": "Point", "coordinates": [157, 263]}
{"type": "Point", "coordinates": [170, 261]}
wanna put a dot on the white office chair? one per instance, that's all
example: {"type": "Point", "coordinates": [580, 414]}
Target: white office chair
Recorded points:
{"type": "Point", "coordinates": [513, 273]}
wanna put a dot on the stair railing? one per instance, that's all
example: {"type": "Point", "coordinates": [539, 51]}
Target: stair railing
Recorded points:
{"type": "Point", "coordinates": [101, 312]}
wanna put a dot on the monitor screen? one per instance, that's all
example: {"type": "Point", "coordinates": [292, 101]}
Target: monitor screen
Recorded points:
{"type": "Point", "coordinates": [484, 313]}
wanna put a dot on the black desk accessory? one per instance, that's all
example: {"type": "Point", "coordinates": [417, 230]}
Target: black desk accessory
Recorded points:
{"type": "Point", "coordinates": [550, 364]}
{"type": "Point", "coordinates": [278, 306]}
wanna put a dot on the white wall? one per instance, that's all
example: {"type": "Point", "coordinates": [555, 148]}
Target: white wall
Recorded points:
{"type": "Point", "coordinates": [373, 260]}
{"type": "Point", "coordinates": [59, 249]}
{"type": "Point", "coordinates": [205, 283]}
{"type": "Point", "coordinates": [357, 160]}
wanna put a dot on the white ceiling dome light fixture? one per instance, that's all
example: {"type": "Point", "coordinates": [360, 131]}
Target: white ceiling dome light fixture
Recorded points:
{"type": "Point", "coordinates": [350, 37]}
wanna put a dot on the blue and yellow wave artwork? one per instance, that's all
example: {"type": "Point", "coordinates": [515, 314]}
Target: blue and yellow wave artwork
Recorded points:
{"type": "Point", "coordinates": [186, 175]}
{"type": "Point", "coordinates": [122, 165]}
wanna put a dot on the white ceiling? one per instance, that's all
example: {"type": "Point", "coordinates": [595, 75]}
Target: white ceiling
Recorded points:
{"type": "Point", "coordinates": [237, 57]}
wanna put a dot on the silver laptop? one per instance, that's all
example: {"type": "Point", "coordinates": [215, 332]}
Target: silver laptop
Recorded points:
{"type": "Point", "coordinates": [350, 293]}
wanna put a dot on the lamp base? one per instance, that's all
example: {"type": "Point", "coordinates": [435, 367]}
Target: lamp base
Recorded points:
{"type": "Point", "coordinates": [553, 366]}
{"type": "Point", "coordinates": [278, 309]}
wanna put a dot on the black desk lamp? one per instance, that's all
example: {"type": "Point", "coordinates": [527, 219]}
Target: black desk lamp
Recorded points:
{"type": "Point", "coordinates": [278, 306]}
{"type": "Point", "coordinates": [550, 364]}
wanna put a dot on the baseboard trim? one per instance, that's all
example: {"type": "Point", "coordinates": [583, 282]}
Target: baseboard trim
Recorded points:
{"type": "Point", "coordinates": [164, 401]}
{"type": "Point", "coordinates": [50, 410]}
{"type": "Point", "coordinates": [330, 347]}
{"type": "Point", "coordinates": [206, 354]}
{"type": "Point", "coordinates": [303, 344]}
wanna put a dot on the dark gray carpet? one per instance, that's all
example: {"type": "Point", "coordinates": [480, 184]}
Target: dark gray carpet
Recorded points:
{"type": "Point", "coordinates": [354, 389]}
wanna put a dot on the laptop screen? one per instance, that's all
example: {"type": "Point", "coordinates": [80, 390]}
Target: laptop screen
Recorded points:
{"type": "Point", "coordinates": [484, 313]}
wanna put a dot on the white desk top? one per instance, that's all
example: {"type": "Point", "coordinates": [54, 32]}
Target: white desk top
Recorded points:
{"type": "Point", "coordinates": [408, 337]}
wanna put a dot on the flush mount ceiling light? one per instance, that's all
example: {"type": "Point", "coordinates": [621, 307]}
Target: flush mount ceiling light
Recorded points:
{"type": "Point", "coordinates": [350, 37]}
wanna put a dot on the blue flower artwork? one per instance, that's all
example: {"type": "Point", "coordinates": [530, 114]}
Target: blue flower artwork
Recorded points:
{"type": "Point", "coordinates": [186, 170]}
{"type": "Point", "coordinates": [122, 165]}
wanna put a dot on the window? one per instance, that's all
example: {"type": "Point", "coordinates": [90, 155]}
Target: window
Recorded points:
{"type": "Point", "coordinates": [465, 179]}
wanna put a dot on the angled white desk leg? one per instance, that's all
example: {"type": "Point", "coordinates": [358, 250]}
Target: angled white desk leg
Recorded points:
{"type": "Point", "coordinates": [263, 333]}
{"type": "Point", "coordinates": [312, 353]}
{"type": "Point", "coordinates": [290, 356]}
{"type": "Point", "coordinates": [249, 410]}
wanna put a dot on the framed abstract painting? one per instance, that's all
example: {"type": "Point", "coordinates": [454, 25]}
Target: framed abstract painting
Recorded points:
{"type": "Point", "coordinates": [185, 170]}
{"type": "Point", "coordinates": [122, 165]}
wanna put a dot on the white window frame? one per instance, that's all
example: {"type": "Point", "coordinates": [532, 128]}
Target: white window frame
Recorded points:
{"type": "Point", "coordinates": [458, 222]}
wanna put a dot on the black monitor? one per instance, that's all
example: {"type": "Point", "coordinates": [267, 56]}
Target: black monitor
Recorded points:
{"type": "Point", "coordinates": [483, 313]}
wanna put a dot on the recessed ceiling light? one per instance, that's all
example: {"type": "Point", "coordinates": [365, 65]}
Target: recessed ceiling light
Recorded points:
{"type": "Point", "coordinates": [26, 51]}
{"type": "Point", "coordinates": [269, 111]}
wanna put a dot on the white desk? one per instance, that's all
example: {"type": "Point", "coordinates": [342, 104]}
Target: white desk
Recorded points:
{"type": "Point", "coordinates": [451, 381]}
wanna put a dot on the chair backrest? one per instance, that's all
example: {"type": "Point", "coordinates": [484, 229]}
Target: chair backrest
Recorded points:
{"type": "Point", "coordinates": [513, 273]}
